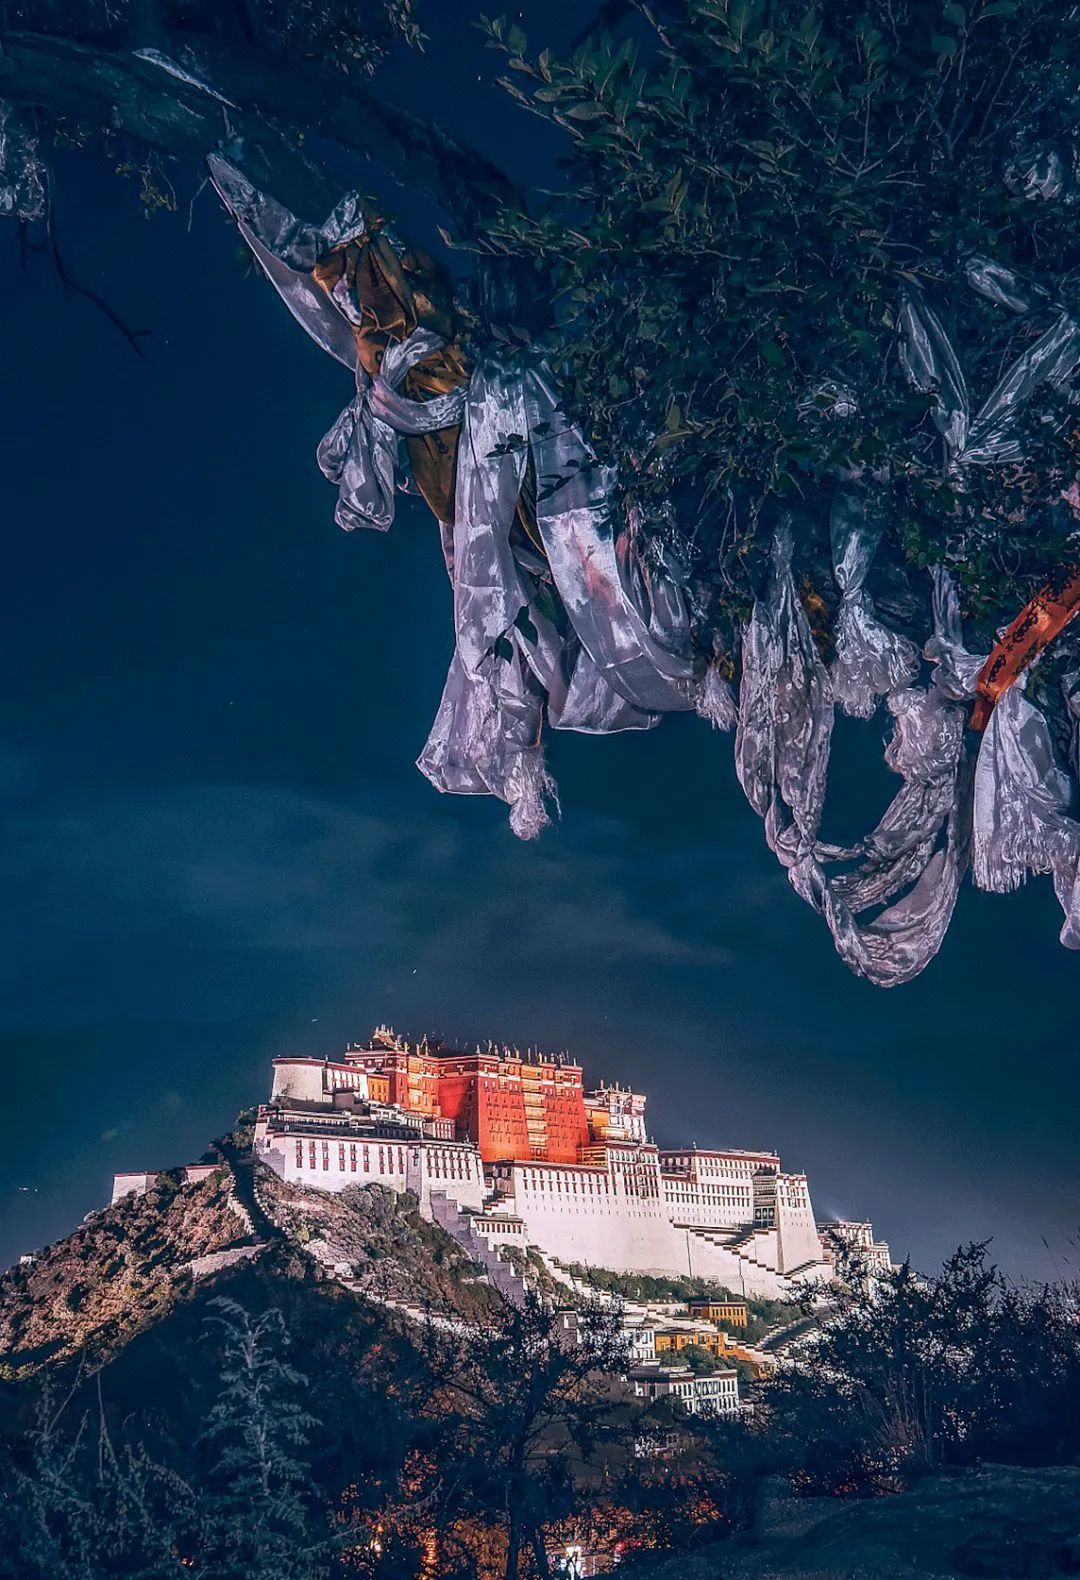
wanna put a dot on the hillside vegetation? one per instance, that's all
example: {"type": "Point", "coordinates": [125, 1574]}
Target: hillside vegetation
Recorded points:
{"type": "Point", "coordinates": [128, 1264]}
{"type": "Point", "coordinates": [236, 1380]}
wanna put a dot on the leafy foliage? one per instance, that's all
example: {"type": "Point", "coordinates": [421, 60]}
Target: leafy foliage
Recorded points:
{"type": "Point", "coordinates": [340, 34]}
{"type": "Point", "coordinates": [951, 1370]}
{"type": "Point", "coordinates": [77, 1506]}
{"type": "Point", "coordinates": [475, 1452]}
{"type": "Point", "coordinates": [534, 1409]}
{"type": "Point", "coordinates": [763, 1315]}
{"type": "Point", "coordinates": [750, 184]}
{"type": "Point", "coordinates": [78, 1509]}
{"type": "Point", "coordinates": [260, 1521]}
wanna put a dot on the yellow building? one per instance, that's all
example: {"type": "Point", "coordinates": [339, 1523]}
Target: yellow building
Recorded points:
{"type": "Point", "coordinates": [676, 1339]}
{"type": "Point", "coordinates": [732, 1312]}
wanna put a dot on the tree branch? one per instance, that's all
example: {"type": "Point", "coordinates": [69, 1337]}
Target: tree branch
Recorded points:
{"type": "Point", "coordinates": [132, 336]}
{"type": "Point", "coordinates": [267, 99]}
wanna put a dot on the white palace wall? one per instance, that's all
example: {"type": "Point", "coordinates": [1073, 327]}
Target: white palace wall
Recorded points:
{"type": "Point", "coordinates": [749, 1274]}
{"type": "Point", "coordinates": [613, 1218]}
{"type": "Point", "coordinates": [330, 1161]}
{"type": "Point", "coordinates": [797, 1235]}
{"type": "Point", "coordinates": [618, 1214]}
{"type": "Point", "coordinates": [726, 1215]}
{"type": "Point", "coordinates": [316, 1080]}
{"type": "Point", "coordinates": [714, 1189]}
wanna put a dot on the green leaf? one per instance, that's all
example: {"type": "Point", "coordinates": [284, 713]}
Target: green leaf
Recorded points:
{"type": "Point", "coordinates": [586, 112]}
{"type": "Point", "coordinates": [526, 627]}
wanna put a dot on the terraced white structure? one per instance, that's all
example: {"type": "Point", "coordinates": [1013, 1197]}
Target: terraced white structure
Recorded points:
{"type": "Point", "coordinates": [518, 1153]}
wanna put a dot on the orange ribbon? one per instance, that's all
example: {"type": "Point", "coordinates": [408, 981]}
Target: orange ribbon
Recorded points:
{"type": "Point", "coordinates": [1034, 628]}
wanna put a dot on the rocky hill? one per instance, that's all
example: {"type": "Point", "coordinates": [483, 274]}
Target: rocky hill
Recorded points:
{"type": "Point", "coordinates": [130, 1264]}
{"type": "Point", "coordinates": [123, 1314]}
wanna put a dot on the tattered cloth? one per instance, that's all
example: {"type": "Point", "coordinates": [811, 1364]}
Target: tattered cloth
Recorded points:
{"type": "Point", "coordinates": [565, 612]}
{"type": "Point", "coordinates": [22, 170]}
{"type": "Point", "coordinates": [559, 613]}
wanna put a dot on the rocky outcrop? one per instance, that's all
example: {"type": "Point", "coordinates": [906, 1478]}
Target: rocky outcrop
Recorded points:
{"type": "Point", "coordinates": [123, 1268]}
{"type": "Point", "coordinates": [128, 1265]}
{"type": "Point", "coordinates": [377, 1243]}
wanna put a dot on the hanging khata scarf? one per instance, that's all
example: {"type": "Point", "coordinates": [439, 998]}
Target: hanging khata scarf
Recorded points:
{"type": "Point", "coordinates": [567, 610]}
{"type": "Point", "coordinates": [917, 856]}
{"type": "Point", "coordinates": [870, 660]}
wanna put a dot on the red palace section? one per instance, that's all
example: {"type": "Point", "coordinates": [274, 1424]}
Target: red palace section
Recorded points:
{"type": "Point", "coordinates": [512, 1108]}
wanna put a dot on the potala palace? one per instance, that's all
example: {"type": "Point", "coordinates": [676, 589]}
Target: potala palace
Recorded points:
{"type": "Point", "coordinates": [533, 1159]}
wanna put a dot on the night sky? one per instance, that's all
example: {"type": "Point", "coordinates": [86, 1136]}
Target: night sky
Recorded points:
{"type": "Point", "coordinates": [216, 847]}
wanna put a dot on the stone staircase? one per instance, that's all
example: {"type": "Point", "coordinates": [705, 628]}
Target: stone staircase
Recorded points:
{"type": "Point", "coordinates": [500, 1274]}
{"type": "Point", "coordinates": [750, 1246]}
{"type": "Point", "coordinates": [412, 1312]}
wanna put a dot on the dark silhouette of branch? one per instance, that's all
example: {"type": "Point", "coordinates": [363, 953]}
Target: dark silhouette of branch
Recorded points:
{"type": "Point", "coordinates": [253, 95]}
{"type": "Point", "coordinates": [73, 286]}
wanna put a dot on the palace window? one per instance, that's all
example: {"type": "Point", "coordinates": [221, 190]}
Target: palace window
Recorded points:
{"type": "Point", "coordinates": [352, 1156]}
{"type": "Point", "coordinates": [299, 1154]}
{"type": "Point", "coordinates": [311, 1153]}
{"type": "Point", "coordinates": [341, 1156]}
{"type": "Point", "coordinates": [326, 1154]}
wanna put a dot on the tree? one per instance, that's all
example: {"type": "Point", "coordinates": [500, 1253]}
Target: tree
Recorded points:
{"type": "Point", "coordinates": [807, 287]}
{"type": "Point", "coordinates": [164, 81]}
{"type": "Point", "coordinates": [751, 187]}
{"type": "Point", "coordinates": [698, 1358]}
{"type": "Point", "coordinates": [260, 1521]}
{"type": "Point", "coordinates": [76, 1506]}
{"type": "Point", "coordinates": [912, 1373]}
{"type": "Point", "coordinates": [535, 1401]}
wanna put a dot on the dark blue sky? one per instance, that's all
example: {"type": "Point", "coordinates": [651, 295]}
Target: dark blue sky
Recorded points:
{"type": "Point", "coordinates": [216, 847]}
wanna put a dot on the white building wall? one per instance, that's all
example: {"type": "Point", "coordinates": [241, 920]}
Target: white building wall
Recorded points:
{"type": "Point", "coordinates": [623, 1206]}
{"type": "Point", "coordinates": [132, 1184]}
{"type": "Point", "coordinates": [315, 1080]}
{"type": "Point", "coordinates": [797, 1233]}
{"type": "Point", "coordinates": [713, 1189]}
{"type": "Point", "coordinates": [754, 1273]}
{"type": "Point", "coordinates": [711, 1204]}
{"type": "Point", "coordinates": [333, 1160]}
{"type": "Point", "coordinates": [455, 1169]}
{"type": "Point", "coordinates": [641, 1342]}
{"type": "Point", "coordinates": [712, 1393]}
{"type": "Point", "coordinates": [611, 1217]}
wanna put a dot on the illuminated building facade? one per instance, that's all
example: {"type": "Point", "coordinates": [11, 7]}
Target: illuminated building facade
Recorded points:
{"type": "Point", "coordinates": [509, 1106]}
{"type": "Point", "coordinates": [516, 1142]}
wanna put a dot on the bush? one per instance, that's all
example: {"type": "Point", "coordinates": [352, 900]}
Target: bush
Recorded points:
{"type": "Point", "coordinates": [918, 1373]}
